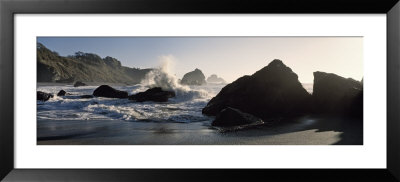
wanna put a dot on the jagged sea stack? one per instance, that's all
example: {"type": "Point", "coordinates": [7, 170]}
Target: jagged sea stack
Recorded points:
{"type": "Point", "coordinates": [195, 77]}
{"type": "Point", "coordinates": [215, 79]}
{"type": "Point", "coordinates": [274, 91]}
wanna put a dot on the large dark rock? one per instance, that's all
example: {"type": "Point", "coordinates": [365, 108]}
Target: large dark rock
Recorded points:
{"type": "Point", "coordinates": [107, 91]}
{"type": "Point", "coordinates": [233, 117]}
{"type": "Point", "coordinates": [195, 77]}
{"type": "Point", "coordinates": [274, 91]}
{"type": "Point", "coordinates": [61, 93]}
{"type": "Point", "coordinates": [43, 96]}
{"type": "Point", "coordinates": [215, 79]}
{"type": "Point", "coordinates": [79, 84]}
{"type": "Point", "coordinates": [333, 94]}
{"type": "Point", "coordinates": [357, 106]}
{"type": "Point", "coordinates": [155, 94]}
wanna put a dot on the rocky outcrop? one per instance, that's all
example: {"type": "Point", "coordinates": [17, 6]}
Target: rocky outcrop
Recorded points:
{"type": "Point", "coordinates": [61, 93]}
{"type": "Point", "coordinates": [195, 77]}
{"type": "Point", "coordinates": [233, 117]}
{"type": "Point", "coordinates": [86, 67]}
{"type": "Point", "coordinates": [333, 94]}
{"type": "Point", "coordinates": [112, 62]}
{"type": "Point", "coordinates": [274, 91]}
{"type": "Point", "coordinates": [107, 91]}
{"type": "Point", "coordinates": [215, 79]}
{"type": "Point", "coordinates": [155, 94]}
{"type": "Point", "coordinates": [357, 106]}
{"type": "Point", "coordinates": [79, 84]}
{"type": "Point", "coordinates": [43, 96]}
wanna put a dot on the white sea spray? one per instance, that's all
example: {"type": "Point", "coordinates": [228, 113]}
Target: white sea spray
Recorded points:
{"type": "Point", "coordinates": [162, 76]}
{"type": "Point", "coordinates": [185, 107]}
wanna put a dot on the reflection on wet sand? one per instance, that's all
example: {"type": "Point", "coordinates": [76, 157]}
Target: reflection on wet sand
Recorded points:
{"type": "Point", "coordinates": [304, 131]}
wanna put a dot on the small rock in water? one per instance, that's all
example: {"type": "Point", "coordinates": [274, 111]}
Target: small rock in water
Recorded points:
{"type": "Point", "coordinates": [79, 83]}
{"type": "Point", "coordinates": [107, 91]}
{"type": "Point", "coordinates": [43, 96]}
{"type": "Point", "coordinates": [155, 94]}
{"type": "Point", "coordinates": [233, 117]}
{"type": "Point", "coordinates": [61, 93]}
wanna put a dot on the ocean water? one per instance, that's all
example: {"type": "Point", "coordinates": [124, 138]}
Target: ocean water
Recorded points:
{"type": "Point", "coordinates": [185, 107]}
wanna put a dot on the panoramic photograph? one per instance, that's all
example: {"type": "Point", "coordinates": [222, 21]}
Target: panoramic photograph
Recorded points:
{"type": "Point", "coordinates": [199, 90]}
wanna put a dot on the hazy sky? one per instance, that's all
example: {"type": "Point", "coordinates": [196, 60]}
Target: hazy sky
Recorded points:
{"type": "Point", "coordinates": [228, 57]}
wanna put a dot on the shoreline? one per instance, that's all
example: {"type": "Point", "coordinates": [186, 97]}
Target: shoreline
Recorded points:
{"type": "Point", "coordinates": [302, 131]}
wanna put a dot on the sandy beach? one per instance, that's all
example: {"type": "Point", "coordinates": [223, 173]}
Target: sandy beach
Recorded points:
{"type": "Point", "coordinates": [303, 131]}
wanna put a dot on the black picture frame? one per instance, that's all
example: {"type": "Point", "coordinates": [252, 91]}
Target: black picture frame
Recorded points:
{"type": "Point", "coordinates": [8, 8]}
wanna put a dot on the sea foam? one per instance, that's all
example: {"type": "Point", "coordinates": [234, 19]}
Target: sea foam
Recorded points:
{"type": "Point", "coordinates": [163, 77]}
{"type": "Point", "coordinates": [185, 107]}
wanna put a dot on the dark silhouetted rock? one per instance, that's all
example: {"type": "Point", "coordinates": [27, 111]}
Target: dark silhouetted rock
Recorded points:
{"type": "Point", "coordinates": [79, 84]}
{"type": "Point", "coordinates": [333, 94]}
{"type": "Point", "coordinates": [61, 93]}
{"type": "Point", "coordinates": [107, 91]}
{"type": "Point", "coordinates": [215, 79]}
{"type": "Point", "coordinates": [86, 96]}
{"type": "Point", "coordinates": [43, 96]}
{"type": "Point", "coordinates": [274, 91]}
{"type": "Point", "coordinates": [155, 94]}
{"type": "Point", "coordinates": [233, 117]}
{"type": "Point", "coordinates": [195, 77]}
{"type": "Point", "coordinates": [356, 107]}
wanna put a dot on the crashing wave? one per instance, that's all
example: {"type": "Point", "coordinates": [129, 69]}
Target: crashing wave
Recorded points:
{"type": "Point", "coordinates": [162, 77]}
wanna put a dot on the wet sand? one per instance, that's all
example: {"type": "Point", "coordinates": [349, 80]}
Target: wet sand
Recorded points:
{"type": "Point", "coordinates": [302, 131]}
